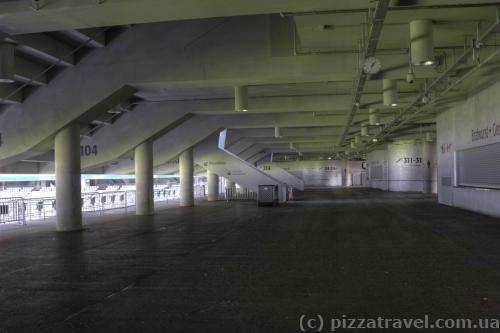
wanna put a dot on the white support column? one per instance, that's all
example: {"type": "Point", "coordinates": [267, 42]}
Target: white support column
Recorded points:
{"type": "Point", "coordinates": [213, 186]}
{"type": "Point", "coordinates": [346, 173]}
{"type": "Point", "coordinates": [68, 185]}
{"type": "Point", "coordinates": [186, 168]}
{"type": "Point", "coordinates": [144, 201]}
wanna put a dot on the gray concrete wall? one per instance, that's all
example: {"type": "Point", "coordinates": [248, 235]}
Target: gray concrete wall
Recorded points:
{"type": "Point", "coordinates": [402, 167]}
{"type": "Point", "coordinates": [455, 128]}
{"type": "Point", "coordinates": [378, 168]}
{"type": "Point", "coordinates": [284, 176]}
{"type": "Point", "coordinates": [323, 173]}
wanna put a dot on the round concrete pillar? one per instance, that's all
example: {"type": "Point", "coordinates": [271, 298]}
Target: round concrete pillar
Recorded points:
{"type": "Point", "coordinates": [186, 168]}
{"type": "Point", "coordinates": [374, 117]}
{"type": "Point", "coordinates": [213, 186]}
{"type": "Point", "coordinates": [277, 132]}
{"type": "Point", "coordinates": [365, 131]}
{"type": "Point", "coordinates": [346, 173]}
{"type": "Point", "coordinates": [241, 98]}
{"type": "Point", "coordinates": [68, 184]}
{"type": "Point", "coordinates": [390, 92]}
{"type": "Point", "coordinates": [421, 39]}
{"type": "Point", "coordinates": [144, 200]}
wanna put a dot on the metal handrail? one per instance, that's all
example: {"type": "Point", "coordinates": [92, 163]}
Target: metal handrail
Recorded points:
{"type": "Point", "coordinates": [20, 210]}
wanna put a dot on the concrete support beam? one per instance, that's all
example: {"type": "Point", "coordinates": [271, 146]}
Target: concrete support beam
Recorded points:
{"type": "Point", "coordinates": [92, 37]}
{"type": "Point", "coordinates": [7, 89]}
{"type": "Point", "coordinates": [26, 71]}
{"type": "Point", "coordinates": [186, 168]}
{"type": "Point", "coordinates": [46, 48]}
{"type": "Point", "coordinates": [346, 173]}
{"type": "Point", "coordinates": [213, 186]}
{"type": "Point", "coordinates": [68, 184]}
{"type": "Point", "coordinates": [144, 179]}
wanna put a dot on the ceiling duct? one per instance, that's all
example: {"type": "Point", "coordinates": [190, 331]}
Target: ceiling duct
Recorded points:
{"type": "Point", "coordinates": [390, 91]}
{"type": "Point", "coordinates": [7, 62]}
{"type": "Point", "coordinates": [241, 98]}
{"type": "Point", "coordinates": [421, 43]}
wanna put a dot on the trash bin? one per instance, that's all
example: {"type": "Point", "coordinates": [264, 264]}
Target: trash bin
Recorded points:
{"type": "Point", "coordinates": [267, 195]}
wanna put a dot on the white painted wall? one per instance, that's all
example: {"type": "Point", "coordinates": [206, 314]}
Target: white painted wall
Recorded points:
{"type": "Point", "coordinates": [454, 133]}
{"type": "Point", "coordinates": [325, 173]}
{"type": "Point", "coordinates": [282, 175]}
{"type": "Point", "coordinates": [403, 167]}
{"type": "Point", "coordinates": [377, 165]}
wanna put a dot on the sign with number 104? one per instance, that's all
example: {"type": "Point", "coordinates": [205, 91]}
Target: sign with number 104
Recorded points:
{"type": "Point", "coordinates": [88, 150]}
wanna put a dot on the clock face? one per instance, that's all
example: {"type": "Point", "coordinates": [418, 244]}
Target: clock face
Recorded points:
{"type": "Point", "coordinates": [372, 65]}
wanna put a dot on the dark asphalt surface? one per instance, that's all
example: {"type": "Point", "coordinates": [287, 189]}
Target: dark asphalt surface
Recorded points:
{"type": "Point", "coordinates": [233, 267]}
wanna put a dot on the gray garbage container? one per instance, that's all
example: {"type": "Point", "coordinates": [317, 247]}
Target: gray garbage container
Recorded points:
{"type": "Point", "coordinates": [268, 195]}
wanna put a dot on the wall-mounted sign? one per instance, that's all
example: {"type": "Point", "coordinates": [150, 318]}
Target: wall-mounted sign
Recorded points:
{"type": "Point", "coordinates": [410, 161]}
{"type": "Point", "coordinates": [217, 163]}
{"type": "Point", "coordinates": [486, 132]}
{"type": "Point", "coordinates": [445, 148]}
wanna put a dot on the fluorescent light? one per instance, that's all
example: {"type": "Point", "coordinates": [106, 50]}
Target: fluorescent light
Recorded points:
{"type": "Point", "coordinates": [244, 110]}
{"type": "Point", "coordinates": [394, 104]}
{"type": "Point", "coordinates": [428, 63]}
{"type": "Point", "coordinates": [375, 140]}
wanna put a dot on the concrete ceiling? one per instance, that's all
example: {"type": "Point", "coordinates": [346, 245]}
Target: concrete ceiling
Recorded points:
{"type": "Point", "coordinates": [82, 61]}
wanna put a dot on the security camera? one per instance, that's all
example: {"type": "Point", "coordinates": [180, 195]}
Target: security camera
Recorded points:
{"type": "Point", "coordinates": [410, 76]}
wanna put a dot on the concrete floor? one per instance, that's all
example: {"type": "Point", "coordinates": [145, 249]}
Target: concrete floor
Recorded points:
{"type": "Point", "coordinates": [233, 267]}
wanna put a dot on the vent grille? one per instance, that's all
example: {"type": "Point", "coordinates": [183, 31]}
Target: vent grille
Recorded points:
{"type": "Point", "coordinates": [479, 166]}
